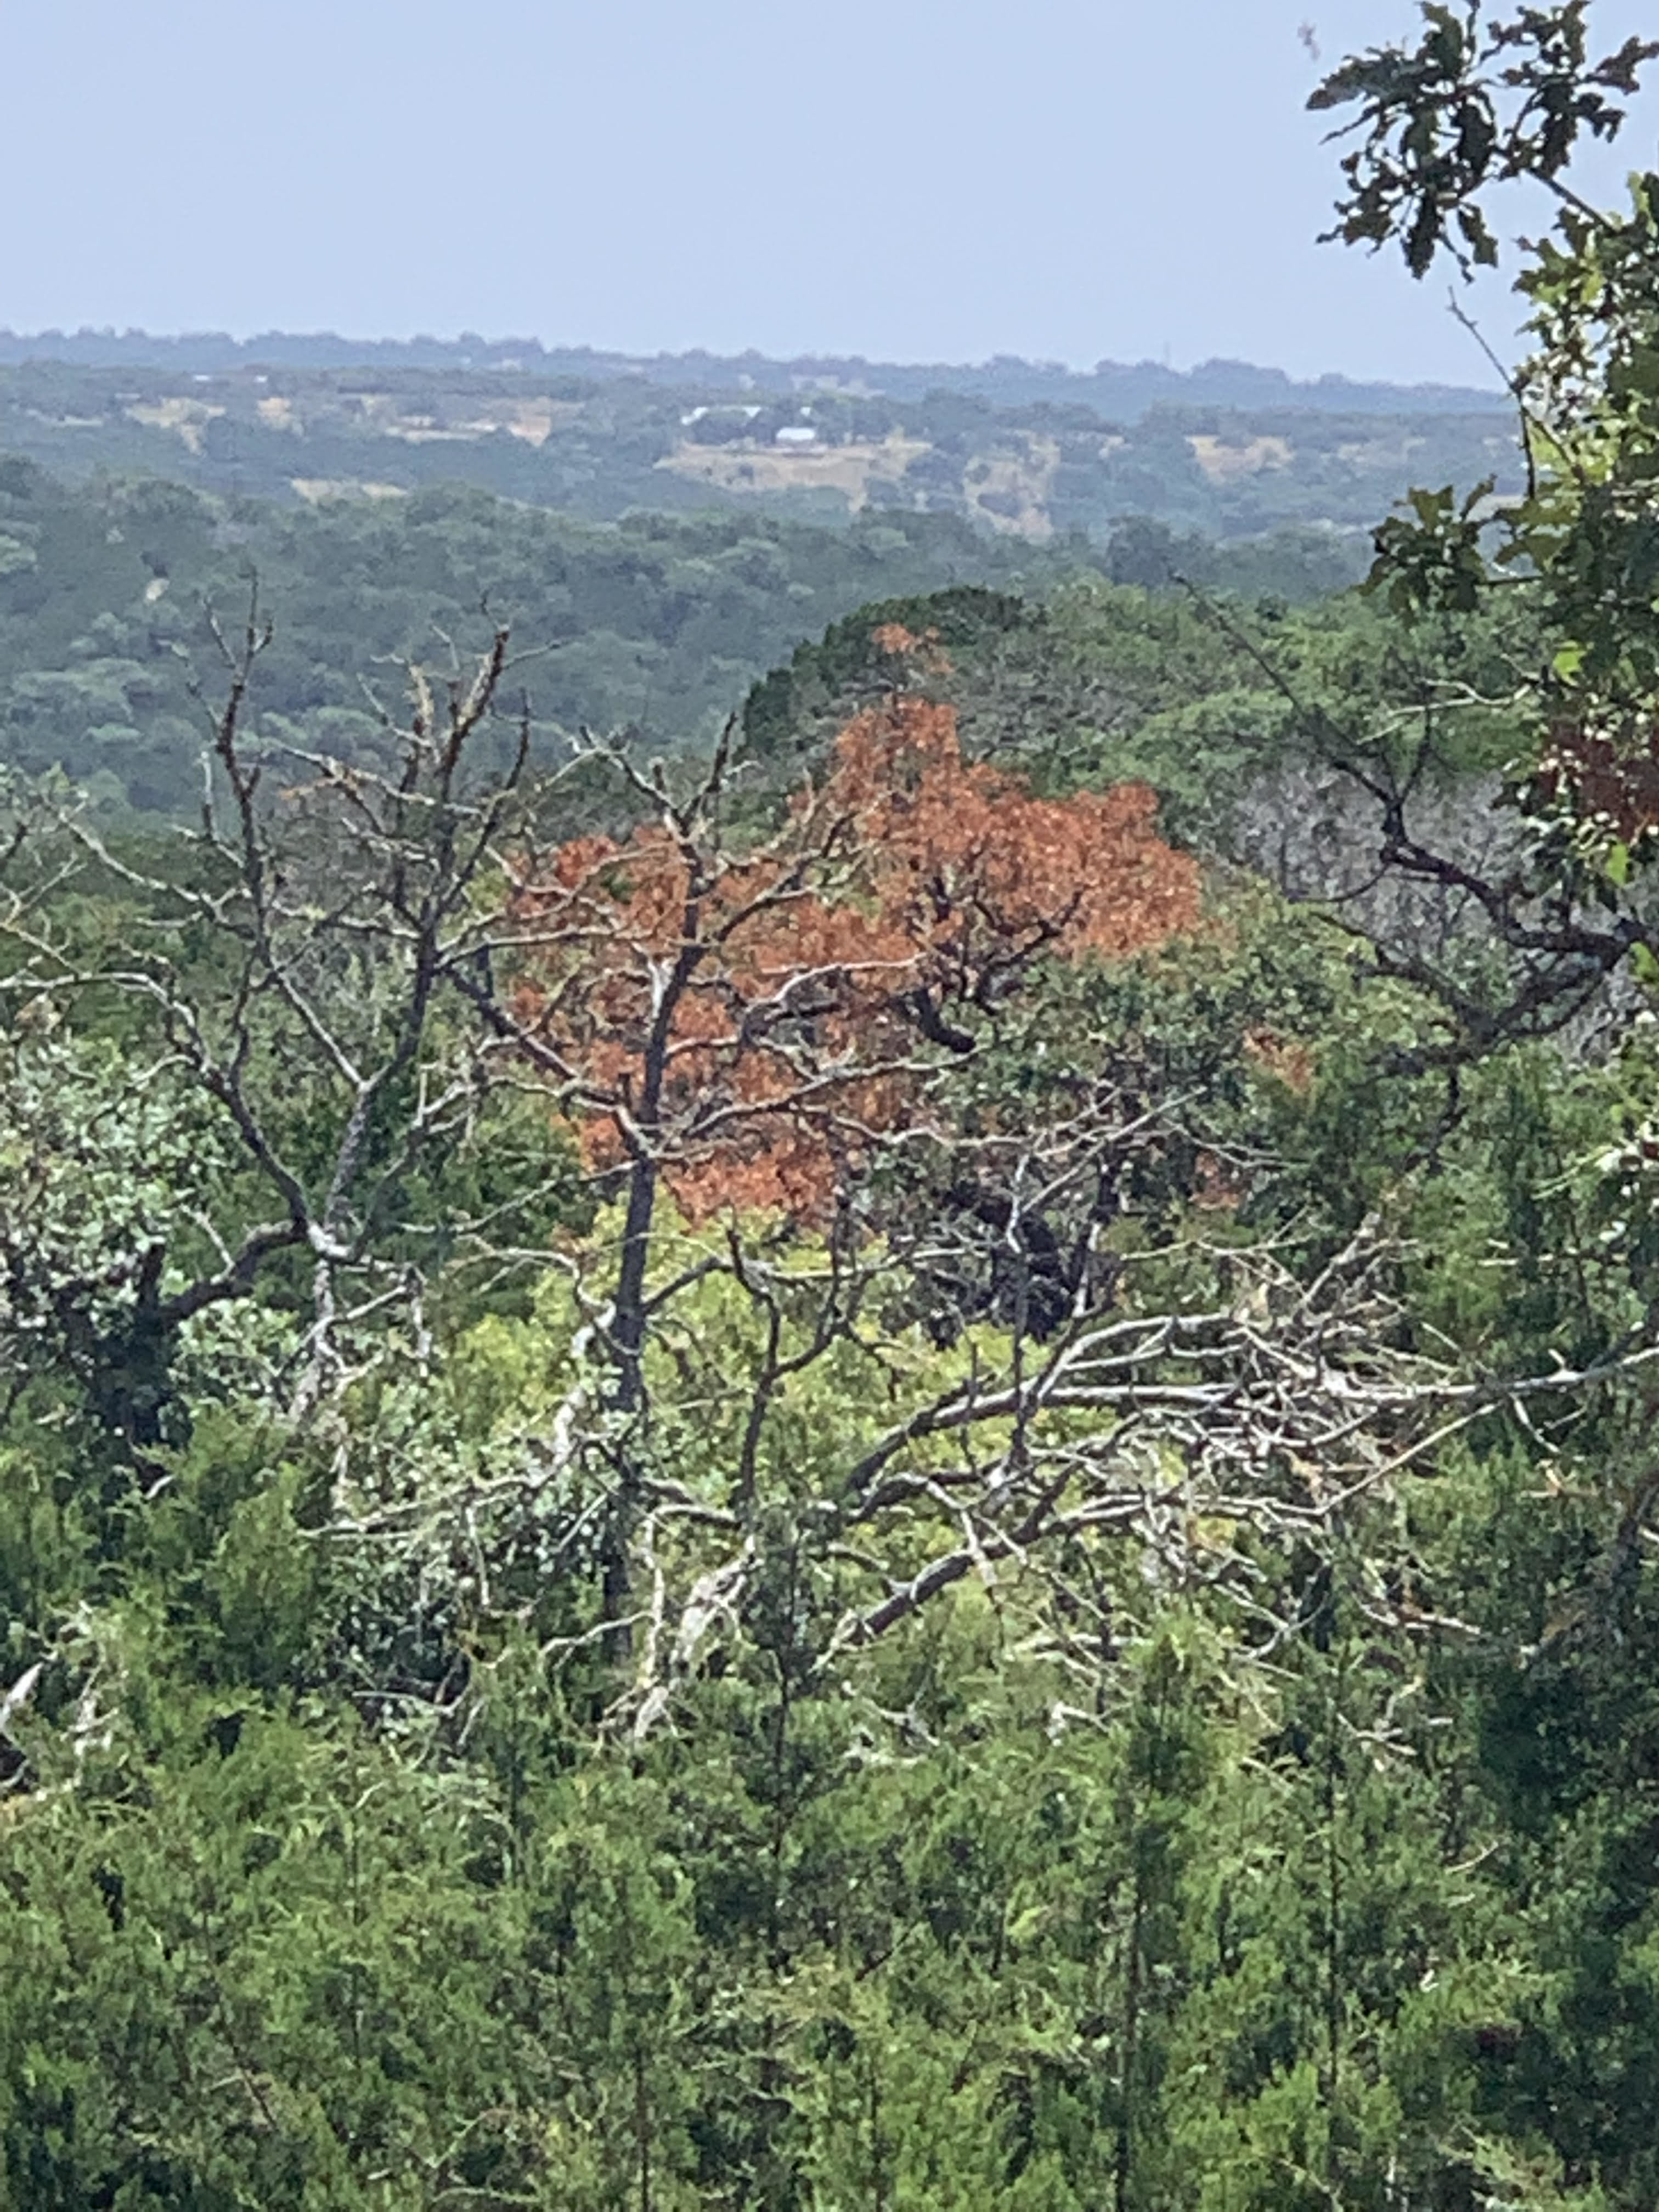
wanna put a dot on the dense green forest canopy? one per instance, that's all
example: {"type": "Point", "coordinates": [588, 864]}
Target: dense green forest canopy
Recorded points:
{"type": "Point", "coordinates": [900, 1457]}
{"type": "Point", "coordinates": [657, 623]}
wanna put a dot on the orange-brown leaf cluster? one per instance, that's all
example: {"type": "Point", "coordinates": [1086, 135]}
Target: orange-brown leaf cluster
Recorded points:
{"type": "Point", "coordinates": [1597, 776]}
{"type": "Point", "coordinates": [755, 1023]}
{"type": "Point", "coordinates": [923, 655]}
{"type": "Point", "coordinates": [981, 872]}
{"type": "Point", "coordinates": [1289, 1060]}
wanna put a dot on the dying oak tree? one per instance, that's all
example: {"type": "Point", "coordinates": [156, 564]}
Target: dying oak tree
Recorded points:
{"type": "Point", "coordinates": [743, 1021]}
{"type": "Point", "coordinates": [749, 1025]}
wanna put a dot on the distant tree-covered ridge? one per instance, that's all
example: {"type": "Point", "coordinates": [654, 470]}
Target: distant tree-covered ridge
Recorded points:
{"type": "Point", "coordinates": [1033, 455]}
{"type": "Point", "coordinates": [1119, 388]}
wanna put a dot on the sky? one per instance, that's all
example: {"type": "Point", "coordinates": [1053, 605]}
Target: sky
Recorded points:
{"type": "Point", "coordinates": [1066, 180]}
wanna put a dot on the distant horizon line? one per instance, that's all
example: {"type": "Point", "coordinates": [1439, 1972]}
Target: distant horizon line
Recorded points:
{"type": "Point", "coordinates": [470, 349]}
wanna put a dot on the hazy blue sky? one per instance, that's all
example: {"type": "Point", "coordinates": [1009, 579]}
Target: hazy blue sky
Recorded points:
{"type": "Point", "coordinates": [1067, 179]}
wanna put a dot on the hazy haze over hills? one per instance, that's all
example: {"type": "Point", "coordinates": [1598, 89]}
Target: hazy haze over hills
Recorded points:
{"type": "Point", "coordinates": [1122, 390]}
